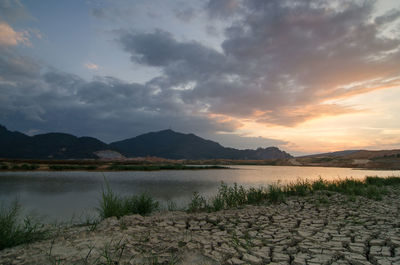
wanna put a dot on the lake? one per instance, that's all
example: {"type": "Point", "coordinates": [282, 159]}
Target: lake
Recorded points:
{"type": "Point", "coordinates": [64, 195]}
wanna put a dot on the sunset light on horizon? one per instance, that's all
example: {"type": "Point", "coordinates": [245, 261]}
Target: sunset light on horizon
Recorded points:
{"type": "Point", "coordinates": [305, 76]}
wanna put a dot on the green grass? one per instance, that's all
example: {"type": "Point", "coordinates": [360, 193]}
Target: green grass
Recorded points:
{"type": "Point", "coordinates": [160, 167]}
{"type": "Point", "coordinates": [112, 204]}
{"type": "Point", "coordinates": [235, 196]}
{"type": "Point", "coordinates": [25, 167]}
{"type": "Point", "coordinates": [13, 231]}
{"type": "Point", "coordinates": [72, 167]}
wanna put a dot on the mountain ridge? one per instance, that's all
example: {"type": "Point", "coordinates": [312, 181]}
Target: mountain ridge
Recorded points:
{"type": "Point", "coordinates": [164, 144]}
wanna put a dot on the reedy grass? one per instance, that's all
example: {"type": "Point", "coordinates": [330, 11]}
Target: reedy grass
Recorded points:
{"type": "Point", "coordinates": [235, 196]}
{"type": "Point", "coordinates": [13, 231]}
{"type": "Point", "coordinates": [111, 204]}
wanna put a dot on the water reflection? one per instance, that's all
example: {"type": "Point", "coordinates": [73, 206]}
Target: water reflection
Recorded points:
{"type": "Point", "coordinates": [60, 195]}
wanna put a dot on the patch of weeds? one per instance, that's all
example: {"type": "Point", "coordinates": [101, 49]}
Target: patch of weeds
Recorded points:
{"type": "Point", "coordinates": [25, 167]}
{"type": "Point", "coordinates": [197, 204]}
{"type": "Point", "coordinates": [14, 232]}
{"type": "Point", "coordinates": [232, 195]}
{"type": "Point", "coordinates": [351, 198]}
{"type": "Point", "coordinates": [275, 193]}
{"type": "Point", "coordinates": [300, 188]}
{"type": "Point", "coordinates": [143, 204]}
{"type": "Point", "coordinates": [235, 196]}
{"type": "Point", "coordinates": [255, 196]}
{"type": "Point", "coordinates": [72, 167]}
{"type": "Point", "coordinates": [112, 204]}
{"type": "Point", "coordinates": [171, 206]}
{"type": "Point", "coordinates": [217, 203]}
{"type": "Point", "coordinates": [111, 254]}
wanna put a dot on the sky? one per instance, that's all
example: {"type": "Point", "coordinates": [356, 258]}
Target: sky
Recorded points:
{"type": "Point", "coordinates": [305, 76]}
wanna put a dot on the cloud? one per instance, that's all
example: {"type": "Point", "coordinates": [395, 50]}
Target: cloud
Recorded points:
{"type": "Point", "coordinates": [91, 66]}
{"type": "Point", "coordinates": [186, 14]}
{"type": "Point", "coordinates": [10, 37]}
{"type": "Point", "coordinates": [245, 142]}
{"type": "Point", "coordinates": [282, 62]}
{"type": "Point", "coordinates": [222, 8]}
{"type": "Point", "coordinates": [45, 99]}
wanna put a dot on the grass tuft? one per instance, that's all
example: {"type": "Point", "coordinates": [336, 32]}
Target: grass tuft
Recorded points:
{"type": "Point", "coordinates": [13, 231]}
{"type": "Point", "coordinates": [112, 204]}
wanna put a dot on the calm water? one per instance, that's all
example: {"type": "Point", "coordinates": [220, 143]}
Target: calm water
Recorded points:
{"type": "Point", "coordinates": [63, 195]}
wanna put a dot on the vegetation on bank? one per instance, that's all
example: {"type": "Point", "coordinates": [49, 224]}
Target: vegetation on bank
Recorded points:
{"type": "Point", "coordinates": [234, 196]}
{"type": "Point", "coordinates": [112, 204]}
{"type": "Point", "coordinates": [14, 231]}
{"type": "Point", "coordinates": [72, 167]}
{"type": "Point", "coordinates": [24, 166]}
{"type": "Point", "coordinates": [63, 165]}
{"type": "Point", "coordinates": [161, 167]}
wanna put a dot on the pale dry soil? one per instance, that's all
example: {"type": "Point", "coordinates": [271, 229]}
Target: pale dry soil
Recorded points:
{"type": "Point", "coordinates": [317, 229]}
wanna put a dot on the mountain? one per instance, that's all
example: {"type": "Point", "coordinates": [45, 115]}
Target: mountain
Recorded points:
{"type": "Point", "coordinates": [175, 145]}
{"type": "Point", "coordinates": [379, 159]}
{"type": "Point", "coordinates": [332, 154]}
{"type": "Point", "coordinates": [48, 146]}
{"type": "Point", "coordinates": [356, 154]}
{"type": "Point", "coordinates": [163, 144]}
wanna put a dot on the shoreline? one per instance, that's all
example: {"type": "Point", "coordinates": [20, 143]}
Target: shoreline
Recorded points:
{"type": "Point", "coordinates": [196, 167]}
{"type": "Point", "coordinates": [320, 228]}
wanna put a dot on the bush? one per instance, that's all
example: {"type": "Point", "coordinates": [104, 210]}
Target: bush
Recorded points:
{"type": "Point", "coordinates": [14, 232]}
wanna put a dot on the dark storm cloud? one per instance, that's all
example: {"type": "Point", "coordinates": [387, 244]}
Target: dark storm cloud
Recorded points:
{"type": "Point", "coordinates": [49, 100]}
{"type": "Point", "coordinates": [278, 59]}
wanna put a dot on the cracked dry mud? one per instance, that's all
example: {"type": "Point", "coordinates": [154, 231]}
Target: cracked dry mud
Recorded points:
{"type": "Point", "coordinates": [316, 229]}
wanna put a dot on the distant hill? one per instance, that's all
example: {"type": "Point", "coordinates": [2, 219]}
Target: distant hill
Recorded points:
{"type": "Point", "coordinates": [357, 154]}
{"type": "Point", "coordinates": [175, 145]}
{"type": "Point", "coordinates": [380, 159]}
{"type": "Point", "coordinates": [48, 146]}
{"type": "Point", "coordinates": [164, 144]}
{"type": "Point", "coordinates": [333, 154]}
